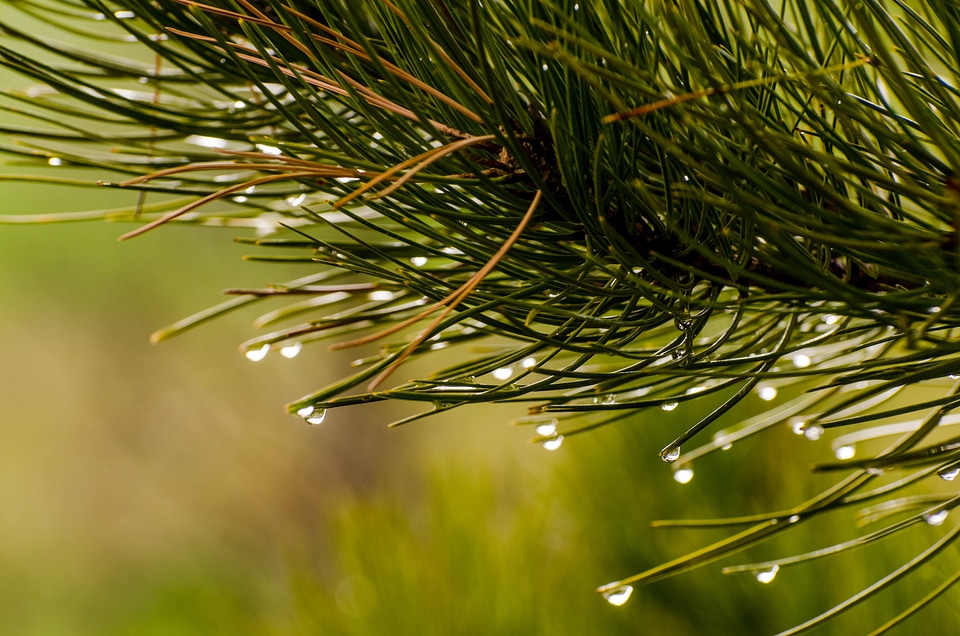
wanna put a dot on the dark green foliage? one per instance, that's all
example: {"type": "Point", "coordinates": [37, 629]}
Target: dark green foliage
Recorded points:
{"type": "Point", "coordinates": [628, 206]}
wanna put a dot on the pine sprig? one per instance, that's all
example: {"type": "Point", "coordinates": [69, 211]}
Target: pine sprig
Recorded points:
{"type": "Point", "coordinates": [653, 203]}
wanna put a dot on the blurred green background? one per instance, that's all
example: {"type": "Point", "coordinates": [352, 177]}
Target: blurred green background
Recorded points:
{"type": "Point", "coordinates": [162, 489]}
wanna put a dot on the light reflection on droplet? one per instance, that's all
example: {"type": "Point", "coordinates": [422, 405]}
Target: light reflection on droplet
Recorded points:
{"type": "Point", "coordinates": [296, 201]}
{"type": "Point", "coordinates": [503, 373]}
{"type": "Point", "coordinates": [124, 15]}
{"type": "Point", "coordinates": [767, 393]}
{"type": "Point", "coordinates": [381, 294]}
{"type": "Point", "coordinates": [306, 411]}
{"type": "Point", "coordinates": [553, 443]}
{"type": "Point", "coordinates": [936, 518]}
{"type": "Point", "coordinates": [547, 428]}
{"type": "Point", "coordinates": [767, 576]}
{"type": "Point", "coordinates": [845, 452]}
{"type": "Point", "coordinates": [619, 595]}
{"type": "Point", "coordinates": [316, 417]}
{"type": "Point", "coordinates": [949, 474]}
{"type": "Point", "coordinates": [256, 355]}
{"type": "Point", "coordinates": [55, 161]}
{"type": "Point", "coordinates": [801, 361]}
{"type": "Point", "coordinates": [419, 261]}
{"type": "Point", "coordinates": [528, 363]}
{"type": "Point", "coordinates": [813, 433]}
{"type": "Point", "coordinates": [683, 475]}
{"type": "Point", "coordinates": [669, 406]}
{"type": "Point", "coordinates": [291, 350]}
{"type": "Point", "coordinates": [670, 454]}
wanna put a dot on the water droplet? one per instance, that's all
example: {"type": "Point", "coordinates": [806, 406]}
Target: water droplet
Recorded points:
{"type": "Point", "coordinates": [528, 363]}
{"type": "Point", "coordinates": [256, 355]}
{"type": "Point", "coordinates": [381, 294]}
{"type": "Point", "coordinates": [503, 373]}
{"type": "Point", "coordinates": [545, 67]}
{"type": "Point", "coordinates": [683, 475]}
{"type": "Point", "coordinates": [296, 201]}
{"type": "Point", "coordinates": [306, 411]}
{"type": "Point", "coordinates": [726, 447]}
{"type": "Point", "coordinates": [832, 319]}
{"type": "Point", "coordinates": [618, 595]}
{"type": "Point", "coordinates": [55, 161]}
{"type": "Point", "coordinates": [845, 452]}
{"type": "Point", "coordinates": [767, 393]}
{"type": "Point", "coordinates": [124, 15]}
{"type": "Point", "coordinates": [240, 199]}
{"type": "Point", "coordinates": [936, 518]}
{"type": "Point", "coordinates": [553, 443]}
{"type": "Point", "coordinates": [292, 350]}
{"type": "Point", "coordinates": [419, 261]}
{"type": "Point", "coordinates": [547, 428]}
{"type": "Point", "coordinates": [670, 454]}
{"type": "Point", "coordinates": [767, 575]}
{"type": "Point", "coordinates": [801, 361]}
{"type": "Point", "coordinates": [793, 519]}
{"type": "Point", "coordinates": [873, 470]}
{"type": "Point", "coordinates": [669, 406]}
{"type": "Point", "coordinates": [316, 417]}
{"type": "Point", "coordinates": [813, 433]}
{"type": "Point", "coordinates": [949, 474]}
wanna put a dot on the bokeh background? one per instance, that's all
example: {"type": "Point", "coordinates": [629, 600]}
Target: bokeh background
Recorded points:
{"type": "Point", "coordinates": [163, 490]}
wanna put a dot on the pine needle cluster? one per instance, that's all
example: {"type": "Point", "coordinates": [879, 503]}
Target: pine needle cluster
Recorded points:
{"type": "Point", "coordinates": [623, 207]}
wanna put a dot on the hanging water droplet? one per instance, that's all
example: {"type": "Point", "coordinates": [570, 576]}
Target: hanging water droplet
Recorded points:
{"type": "Point", "coordinates": [419, 261]}
{"type": "Point", "coordinates": [528, 363]}
{"type": "Point", "coordinates": [503, 373]}
{"type": "Point", "coordinates": [55, 161]}
{"type": "Point", "coordinates": [670, 454]}
{"type": "Point", "coordinates": [845, 452]}
{"type": "Point", "coordinates": [801, 361]}
{"type": "Point", "coordinates": [726, 447]}
{"type": "Point", "coordinates": [292, 350]}
{"type": "Point", "coordinates": [306, 411]}
{"type": "Point", "coordinates": [547, 428]}
{"type": "Point", "coordinates": [618, 595]}
{"type": "Point", "coordinates": [683, 475]}
{"type": "Point", "coordinates": [256, 355]}
{"type": "Point", "coordinates": [813, 433]}
{"type": "Point", "coordinates": [793, 519]}
{"type": "Point", "coordinates": [316, 417]}
{"type": "Point", "coordinates": [949, 474]}
{"type": "Point", "coordinates": [669, 406]}
{"type": "Point", "coordinates": [767, 575]}
{"type": "Point", "coordinates": [296, 201]}
{"type": "Point", "coordinates": [553, 443]}
{"type": "Point", "coordinates": [767, 393]}
{"type": "Point", "coordinates": [124, 15]}
{"type": "Point", "coordinates": [381, 294]}
{"type": "Point", "coordinates": [936, 518]}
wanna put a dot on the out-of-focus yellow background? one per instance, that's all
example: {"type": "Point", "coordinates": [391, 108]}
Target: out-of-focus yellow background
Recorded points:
{"type": "Point", "coordinates": [163, 490]}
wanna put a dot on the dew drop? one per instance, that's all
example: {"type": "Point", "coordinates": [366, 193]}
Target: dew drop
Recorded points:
{"type": "Point", "coordinates": [256, 355]}
{"type": "Point", "coordinates": [670, 454]}
{"type": "Point", "coordinates": [528, 363]}
{"type": "Point", "coordinates": [767, 575]}
{"type": "Point", "coordinates": [683, 475]}
{"type": "Point", "coordinates": [296, 201]}
{"type": "Point", "coordinates": [618, 595]}
{"type": "Point", "coordinates": [669, 406]}
{"type": "Point", "coordinates": [793, 519]}
{"type": "Point", "coordinates": [545, 67]}
{"type": "Point", "coordinates": [801, 361]}
{"type": "Point", "coordinates": [316, 417]}
{"type": "Point", "coordinates": [55, 161]}
{"type": "Point", "coordinates": [767, 393]}
{"type": "Point", "coordinates": [547, 428]}
{"type": "Point", "coordinates": [845, 452]}
{"type": "Point", "coordinates": [936, 518]}
{"type": "Point", "coordinates": [306, 411]}
{"type": "Point", "coordinates": [726, 447]}
{"type": "Point", "coordinates": [949, 474]}
{"type": "Point", "coordinates": [124, 15]}
{"type": "Point", "coordinates": [291, 351]}
{"type": "Point", "coordinates": [419, 261]}
{"type": "Point", "coordinates": [503, 373]}
{"type": "Point", "coordinates": [813, 433]}
{"type": "Point", "coordinates": [553, 443]}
